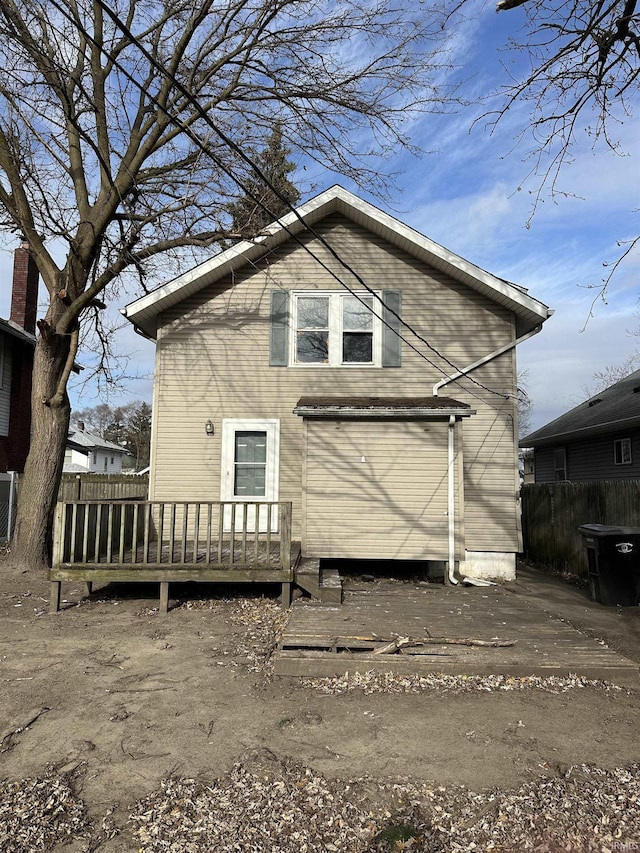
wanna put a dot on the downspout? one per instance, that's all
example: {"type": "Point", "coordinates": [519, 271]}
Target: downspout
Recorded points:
{"type": "Point", "coordinates": [484, 360]}
{"type": "Point", "coordinates": [451, 496]}
{"type": "Point", "coordinates": [451, 501]}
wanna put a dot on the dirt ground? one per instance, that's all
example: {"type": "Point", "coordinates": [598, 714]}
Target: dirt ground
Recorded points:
{"type": "Point", "coordinates": [115, 698]}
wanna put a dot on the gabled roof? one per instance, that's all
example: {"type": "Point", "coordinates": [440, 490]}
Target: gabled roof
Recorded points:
{"type": "Point", "coordinates": [81, 439]}
{"type": "Point", "coordinates": [529, 312]}
{"type": "Point", "coordinates": [615, 409]}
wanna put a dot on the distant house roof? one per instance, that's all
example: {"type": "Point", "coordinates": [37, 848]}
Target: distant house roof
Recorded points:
{"type": "Point", "coordinates": [13, 330]}
{"type": "Point", "coordinates": [612, 410]}
{"type": "Point", "coordinates": [529, 312]}
{"type": "Point", "coordinates": [83, 440]}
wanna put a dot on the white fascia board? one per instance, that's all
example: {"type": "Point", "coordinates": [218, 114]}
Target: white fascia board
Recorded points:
{"type": "Point", "coordinates": [143, 312]}
{"type": "Point", "coordinates": [454, 264]}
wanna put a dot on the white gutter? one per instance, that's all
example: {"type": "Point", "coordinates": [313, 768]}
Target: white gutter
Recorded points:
{"type": "Point", "coordinates": [484, 360]}
{"type": "Point", "coordinates": [451, 501]}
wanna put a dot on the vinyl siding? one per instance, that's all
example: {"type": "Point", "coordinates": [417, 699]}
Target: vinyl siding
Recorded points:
{"type": "Point", "coordinates": [376, 489]}
{"type": "Point", "coordinates": [212, 362]}
{"type": "Point", "coordinates": [5, 384]}
{"type": "Point", "coordinates": [592, 459]}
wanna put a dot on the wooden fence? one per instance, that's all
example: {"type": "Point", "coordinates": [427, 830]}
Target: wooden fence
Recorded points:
{"type": "Point", "coordinates": [103, 487]}
{"type": "Point", "coordinates": [552, 513]}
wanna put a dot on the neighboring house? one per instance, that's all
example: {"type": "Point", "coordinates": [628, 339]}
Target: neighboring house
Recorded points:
{"type": "Point", "coordinates": [598, 440]}
{"type": "Point", "coordinates": [86, 452]}
{"type": "Point", "coordinates": [274, 383]}
{"type": "Point", "coordinates": [527, 472]}
{"type": "Point", "coordinates": [17, 342]}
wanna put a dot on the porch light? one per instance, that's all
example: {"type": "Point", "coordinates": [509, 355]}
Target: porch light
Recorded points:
{"type": "Point", "coordinates": [209, 427]}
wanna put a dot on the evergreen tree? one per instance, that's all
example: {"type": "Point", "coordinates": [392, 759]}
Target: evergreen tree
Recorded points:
{"type": "Point", "coordinates": [248, 215]}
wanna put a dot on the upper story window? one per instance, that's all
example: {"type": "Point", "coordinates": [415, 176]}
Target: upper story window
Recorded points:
{"type": "Point", "coordinates": [622, 451]}
{"type": "Point", "coordinates": [1, 361]}
{"type": "Point", "coordinates": [335, 329]}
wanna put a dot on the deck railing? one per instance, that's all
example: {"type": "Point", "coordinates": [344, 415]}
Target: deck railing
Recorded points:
{"type": "Point", "coordinates": [134, 534]}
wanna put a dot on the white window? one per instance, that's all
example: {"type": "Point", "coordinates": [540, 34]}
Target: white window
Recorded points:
{"type": "Point", "coordinates": [622, 451]}
{"type": "Point", "coordinates": [2, 362]}
{"type": "Point", "coordinates": [335, 329]}
{"type": "Point", "coordinates": [250, 460]}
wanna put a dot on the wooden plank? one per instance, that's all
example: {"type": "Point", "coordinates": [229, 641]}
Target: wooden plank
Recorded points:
{"type": "Point", "coordinates": [285, 535]}
{"type": "Point", "coordinates": [96, 541]}
{"type": "Point", "coordinates": [325, 664]}
{"type": "Point", "coordinates": [59, 534]}
{"type": "Point", "coordinates": [162, 572]}
{"type": "Point", "coordinates": [243, 549]}
{"type": "Point", "coordinates": [147, 531]}
{"type": "Point", "coordinates": [122, 534]}
{"type": "Point", "coordinates": [185, 524]}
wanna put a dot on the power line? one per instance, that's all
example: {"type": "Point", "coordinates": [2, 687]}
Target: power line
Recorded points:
{"type": "Point", "coordinates": [230, 143]}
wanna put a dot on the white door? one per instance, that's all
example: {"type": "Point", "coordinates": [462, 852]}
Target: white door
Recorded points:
{"type": "Point", "coordinates": [250, 454]}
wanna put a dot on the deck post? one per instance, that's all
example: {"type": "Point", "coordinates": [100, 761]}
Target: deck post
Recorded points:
{"type": "Point", "coordinates": [285, 536]}
{"type": "Point", "coordinates": [285, 595]}
{"type": "Point", "coordinates": [54, 600]}
{"type": "Point", "coordinates": [164, 596]}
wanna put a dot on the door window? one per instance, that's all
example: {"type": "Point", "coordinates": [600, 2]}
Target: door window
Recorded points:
{"type": "Point", "coordinates": [250, 464]}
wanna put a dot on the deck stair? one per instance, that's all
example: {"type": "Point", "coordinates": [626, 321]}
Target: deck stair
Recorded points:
{"type": "Point", "coordinates": [324, 585]}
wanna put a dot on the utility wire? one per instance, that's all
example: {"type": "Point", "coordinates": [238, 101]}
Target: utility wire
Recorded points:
{"type": "Point", "coordinates": [257, 171]}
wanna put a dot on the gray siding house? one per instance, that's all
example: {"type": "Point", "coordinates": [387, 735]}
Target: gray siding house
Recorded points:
{"type": "Point", "coordinates": [348, 364]}
{"type": "Point", "coordinates": [598, 440]}
{"type": "Point", "coordinates": [89, 453]}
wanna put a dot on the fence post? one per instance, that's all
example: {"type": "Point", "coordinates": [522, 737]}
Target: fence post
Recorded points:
{"type": "Point", "coordinates": [78, 487]}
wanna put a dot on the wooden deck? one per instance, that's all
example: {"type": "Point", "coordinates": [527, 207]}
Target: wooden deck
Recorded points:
{"type": "Point", "coordinates": [144, 541]}
{"type": "Point", "coordinates": [321, 641]}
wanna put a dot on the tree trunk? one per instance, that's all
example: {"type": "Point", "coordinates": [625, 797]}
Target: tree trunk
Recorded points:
{"type": "Point", "coordinates": [38, 493]}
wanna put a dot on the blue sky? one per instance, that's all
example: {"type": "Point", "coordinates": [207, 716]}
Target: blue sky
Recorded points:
{"type": "Point", "coordinates": [464, 194]}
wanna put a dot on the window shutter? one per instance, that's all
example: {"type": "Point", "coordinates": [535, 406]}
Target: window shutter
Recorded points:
{"type": "Point", "coordinates": [391, 343]}
{"type": "Point", "coordinates": [279, 341]}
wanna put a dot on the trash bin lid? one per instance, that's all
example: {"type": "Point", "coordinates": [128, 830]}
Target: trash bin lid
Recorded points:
{"type": "Point", "coordinates": [602, 530]}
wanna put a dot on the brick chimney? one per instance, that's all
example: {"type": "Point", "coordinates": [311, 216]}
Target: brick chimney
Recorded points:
{"type": "Point", "coordinates": [24, 293]}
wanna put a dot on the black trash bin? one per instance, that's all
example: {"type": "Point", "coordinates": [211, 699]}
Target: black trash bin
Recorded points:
{"type": "Point", "coordinates": [613, 555]}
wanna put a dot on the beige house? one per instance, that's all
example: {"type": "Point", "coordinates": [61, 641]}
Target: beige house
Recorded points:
{"type": "Point", "coordinates": [346, 363]}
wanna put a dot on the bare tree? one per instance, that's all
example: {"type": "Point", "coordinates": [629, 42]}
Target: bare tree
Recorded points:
{"type": "Point", "coordinates": [580, 75]}
{"type": "Point", "coordinates": [524, 403]}
{"type": "Point", "coordinates": [122, 126]}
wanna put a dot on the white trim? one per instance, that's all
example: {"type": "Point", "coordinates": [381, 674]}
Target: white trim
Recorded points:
{"type": "Point", "coordinates": [336, 320]}
{"type": "Point", "coordinates": [622, 443]}
{"type": "Point", "coordinates": [143, 312]}
{"type": "Point", "coordinates": [2, 347]}
{"type": "Point", "coordinates": [271, 426]}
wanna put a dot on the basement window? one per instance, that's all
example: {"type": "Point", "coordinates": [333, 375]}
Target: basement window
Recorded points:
{"type": "Point", "coordinates": [622, 451]}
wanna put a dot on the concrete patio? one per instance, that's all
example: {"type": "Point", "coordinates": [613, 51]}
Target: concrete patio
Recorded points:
{"type": "Point", "coordinates": [551, 628]}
